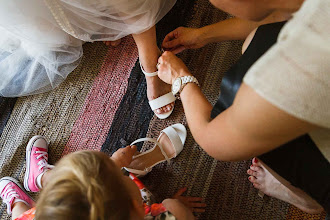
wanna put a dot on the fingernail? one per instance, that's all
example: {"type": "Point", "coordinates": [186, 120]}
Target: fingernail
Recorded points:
{"type": "Point", "coordinates": [255, 160]}
{"type": "Point", "coordinates": [249, 178]}
{"type": "Point", "coordinates": [168, 108]}
{"type": "Point", "coordinates": [251, 165]}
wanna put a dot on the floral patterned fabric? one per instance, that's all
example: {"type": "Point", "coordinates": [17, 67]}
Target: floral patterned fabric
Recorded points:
{"type": "Point", "coordinates": [28, 215]}
{"type": "Point", "coordinates": [152, 210]}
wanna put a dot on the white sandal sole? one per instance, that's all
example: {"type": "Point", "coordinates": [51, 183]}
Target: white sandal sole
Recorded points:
{"type": "Point", "coordinates": [176, 133]}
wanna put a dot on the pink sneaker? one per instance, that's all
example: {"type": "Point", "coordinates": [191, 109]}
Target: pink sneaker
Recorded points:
{"type": "Point", "coordinates": [12, 192]}
{"type": "Point", "coordinates": [36, 163]}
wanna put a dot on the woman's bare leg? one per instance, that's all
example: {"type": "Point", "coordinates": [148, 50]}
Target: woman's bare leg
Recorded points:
{"type": "Point", "coordinates": [271, 184]}
{"type": "Point", "coordinates": [148, 55]}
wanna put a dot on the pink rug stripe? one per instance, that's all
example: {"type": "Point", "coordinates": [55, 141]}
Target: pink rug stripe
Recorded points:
{"type": "Point", "coordinates": [91, 128]}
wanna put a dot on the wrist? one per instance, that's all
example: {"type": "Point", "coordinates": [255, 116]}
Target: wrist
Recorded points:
{"type": "Point", "coordinates": [205, 35]}
{"type": "Point", "coordinates": [182, 74]}
{"type": "Point", "coordinates": [116, 161]}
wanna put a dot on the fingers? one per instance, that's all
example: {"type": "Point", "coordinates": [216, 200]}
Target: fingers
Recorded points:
{"type": "Point", "coordinates": [178, 49]}
{"type": "Point", "coordinates": [163, 59]}
{"type": "Point", "coordinates": [129, 149]}
{"type": "Point", "coordinates": [172, 44]}
{"type": "Point", "coordinates": [173, 39]}
{"type": "Point", "coordinates": [180, 192]}
{"type": "Point", "coordinates": [194, 199]}
{"type": "Point", "coordinates": [198, 205]}
{"type": "Point", "coordinates": [171, 36]}
{"type": "Point", "coordinates": [198, 210]}
{"type": "Point", "coordinates": [195, 204]}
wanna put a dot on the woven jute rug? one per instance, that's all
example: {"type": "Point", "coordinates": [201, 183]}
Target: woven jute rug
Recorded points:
{"type": "Point", "coordinates": [103, 105]}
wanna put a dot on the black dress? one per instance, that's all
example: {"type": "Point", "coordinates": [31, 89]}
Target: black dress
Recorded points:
{"type": "Point", "coordinates": [299, 161]}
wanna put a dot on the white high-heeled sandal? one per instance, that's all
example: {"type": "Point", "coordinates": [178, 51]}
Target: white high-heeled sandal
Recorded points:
{"type": "Point", "coordinates": [160, 101]}
{"type": "Point", "coordinates": [177, 134]}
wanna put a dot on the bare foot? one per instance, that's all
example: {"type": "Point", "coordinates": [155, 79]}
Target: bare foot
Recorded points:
{"type": "Point", "coordinates": [155, 86]}
{"type": "Point", "coordinates": [112, 43]}
{"type": "Point", "coordinates": [262, 179]}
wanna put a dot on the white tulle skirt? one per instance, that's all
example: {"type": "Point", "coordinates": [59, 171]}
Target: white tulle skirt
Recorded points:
{"type": "Point", "coordinates": [41, 40]}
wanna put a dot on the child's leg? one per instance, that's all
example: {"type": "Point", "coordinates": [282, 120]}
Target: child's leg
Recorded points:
{"type": "Point", "coordinates": [18, 209]}
{"type": "Point", "coordinates": [36, 163]}
{"type": "Point", "coordinates": [148, 55]}
{"type": "Point", "coordinates": [45, 178]}
{"type": "Point", "coordinates": [15, 197]}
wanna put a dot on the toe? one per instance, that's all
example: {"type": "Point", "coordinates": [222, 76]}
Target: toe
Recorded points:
{"type": "Point", "coordinates": [252, 179]}
{"type": "Point", "coordinates": [164, 109]}
{"type": "Point", "coordinates": [256, 185]}
{"type": "Point", "coordinates": [158, 111]}
{"type": "Point", "coordinates": [252, 173]}
{"type": "Point", "coordinates": [161, 110]}
{"type": "Point", "coordinates": [255, 168]}
{"type": "Point", "coordinates": [255, 162]}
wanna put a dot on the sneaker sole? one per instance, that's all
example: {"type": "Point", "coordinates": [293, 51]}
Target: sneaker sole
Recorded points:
{"type": "Point", "coordinates": [17, 184]}
{"type": "Point", "coordinates": [28, 159]}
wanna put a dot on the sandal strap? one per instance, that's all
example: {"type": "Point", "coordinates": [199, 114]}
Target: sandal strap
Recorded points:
{"type": "Point", "coordinates": [148, 74]}
{"type": "Point", "coordinates": [162, 101]}
{"type": "Point", "coordinates": [138, 172]}
{"type": "Point", "coordinates": [175, 139]}
{"type": "Point", "coordinates": [154, 141]}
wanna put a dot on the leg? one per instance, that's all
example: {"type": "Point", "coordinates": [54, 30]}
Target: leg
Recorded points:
{"type": "Point", "coordinates": [45, 178]}
{"type": "Point", "coordinates": [15, 197]}
{"type": "Point", "coordinates": [18, 209]}
{"type": "Point", "coordinates": [148, 55]}
{"type": "Point", "coordinates": [271, 184]}
{"type": "Point", "coordinates": [36, 163]}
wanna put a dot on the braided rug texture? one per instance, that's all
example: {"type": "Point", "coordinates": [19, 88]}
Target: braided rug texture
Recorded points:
{"type": "Point", "coordinates": [224, 185]}
{"type": "Point", "coordinates": [103, 105]}
{"type": "Point", "coordinates": [49, 114]}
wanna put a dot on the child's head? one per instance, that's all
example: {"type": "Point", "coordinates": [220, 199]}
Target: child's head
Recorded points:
{"type": "Point", "coordinates": [88, 185]}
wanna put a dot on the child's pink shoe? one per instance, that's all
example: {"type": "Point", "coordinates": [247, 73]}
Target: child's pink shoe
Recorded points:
{"type": "Point", "coordinates": [12, 192]}
{"type": "Point", "coordinates": [36, 163]}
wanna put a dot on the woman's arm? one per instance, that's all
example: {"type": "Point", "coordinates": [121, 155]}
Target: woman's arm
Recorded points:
{"type": "Point", "coordinates": [230, 29]}
{"type": "Point", "coordinates": [250, 127]}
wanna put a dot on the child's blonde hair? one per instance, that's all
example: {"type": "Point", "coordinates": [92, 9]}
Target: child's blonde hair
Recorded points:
{"type": "Point", "coordinates": [85, 185]}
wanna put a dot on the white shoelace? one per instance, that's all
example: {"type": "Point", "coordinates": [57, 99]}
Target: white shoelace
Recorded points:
{"type": "Point", "coordinates": [43, 163]}
{"type": "Point", "coordinates": [8, 196]}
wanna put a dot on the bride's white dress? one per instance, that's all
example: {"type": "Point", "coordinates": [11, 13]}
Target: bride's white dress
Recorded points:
{"type": "Point", "coordinates": [41, 40]}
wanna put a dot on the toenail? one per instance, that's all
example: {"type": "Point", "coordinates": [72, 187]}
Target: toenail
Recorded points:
{"type": "Point", "coordinates": [168, 108]}
{"type": "Point", "coordinates": [249, 178]}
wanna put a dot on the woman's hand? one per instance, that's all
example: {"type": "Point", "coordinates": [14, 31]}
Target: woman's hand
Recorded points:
{"type": "Point", "coordinates": [170, 67]}
{"type": "Point", "coordinates": [184, 38]}
{"type": "Point", "coordinates": [123, 156]}
{"type": "Point", "coordinates": [195, 204]}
